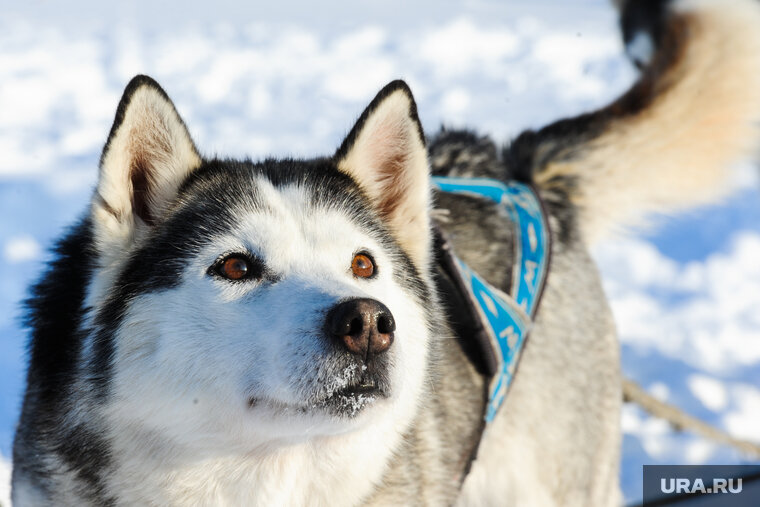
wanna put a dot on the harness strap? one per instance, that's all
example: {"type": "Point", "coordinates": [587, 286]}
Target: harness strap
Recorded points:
{"type": "Point", "coordinates": [505, 320]}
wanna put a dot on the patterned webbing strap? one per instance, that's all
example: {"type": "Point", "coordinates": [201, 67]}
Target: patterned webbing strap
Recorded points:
{"type": "Point", "coordinates": [506, 318]}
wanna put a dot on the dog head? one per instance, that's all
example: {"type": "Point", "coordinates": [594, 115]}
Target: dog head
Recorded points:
{"type": "Point", "coordinates": [266, 301]}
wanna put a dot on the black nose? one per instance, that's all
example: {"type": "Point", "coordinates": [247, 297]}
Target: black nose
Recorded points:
{"type": "Point", "coordinates": [363, 326]}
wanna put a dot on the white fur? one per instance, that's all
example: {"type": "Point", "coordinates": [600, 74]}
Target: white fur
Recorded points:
{"type": "Point", "coordinates": [188, 358]}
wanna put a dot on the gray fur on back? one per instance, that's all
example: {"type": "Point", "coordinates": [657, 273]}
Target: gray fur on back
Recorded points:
{"type": "Point", "coordinates": [556, 438]}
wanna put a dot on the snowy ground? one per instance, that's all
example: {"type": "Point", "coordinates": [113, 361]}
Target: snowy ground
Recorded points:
{"type": "Point", "coordinates": [286, 81]}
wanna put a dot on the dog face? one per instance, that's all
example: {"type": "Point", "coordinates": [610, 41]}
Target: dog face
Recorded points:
{"type": "Point", "coordinates": [256, 303]}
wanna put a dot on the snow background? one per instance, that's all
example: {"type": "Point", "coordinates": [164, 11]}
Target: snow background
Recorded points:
{"type": "Point", "coordinates": [291, 79]}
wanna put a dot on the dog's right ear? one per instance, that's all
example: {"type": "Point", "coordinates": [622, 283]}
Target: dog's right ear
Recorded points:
{"type": "Point", "coordinates": [148, 155]}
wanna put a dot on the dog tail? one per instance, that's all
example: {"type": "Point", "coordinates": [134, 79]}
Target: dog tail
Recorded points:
{"type": "Point", "coordinates": [670, 140]}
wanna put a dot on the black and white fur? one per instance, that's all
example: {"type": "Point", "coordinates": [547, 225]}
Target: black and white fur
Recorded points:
{"type": "Point", "coordinates": [154, 381]}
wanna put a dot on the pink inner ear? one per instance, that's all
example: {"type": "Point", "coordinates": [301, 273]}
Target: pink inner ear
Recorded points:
{"type": "Point", "coordinates": [388, 160]}
{"type": "Point", "coordinates": [389, 153]}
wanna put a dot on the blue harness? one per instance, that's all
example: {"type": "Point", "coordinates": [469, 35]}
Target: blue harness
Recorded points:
{"type": "Point", "coordinates": [504, 319]}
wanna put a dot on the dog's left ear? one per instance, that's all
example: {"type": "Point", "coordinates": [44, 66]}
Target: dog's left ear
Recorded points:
{"type": "Point", "coordinates": [385, 154]}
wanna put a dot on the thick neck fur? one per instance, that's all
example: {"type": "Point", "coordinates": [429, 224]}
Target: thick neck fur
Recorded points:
{"type": "Point", "coordinates": [339, 470]}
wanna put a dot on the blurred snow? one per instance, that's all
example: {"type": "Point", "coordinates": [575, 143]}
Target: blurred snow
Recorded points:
{"type": "Point", "coordinates": [706, 312]}
{"type": "Point", "coordinates": [256, 88]}
{"type": "Point", "coordinates": [260, 79]}
{"type": "Point", "coordinates": [21, 248]}
{"type": "Point", "coordinates": [5, 482]}
{"type": "Point", "coordinates": [712, 393]}
{"type": "Point", "coordinates": [744, 420]}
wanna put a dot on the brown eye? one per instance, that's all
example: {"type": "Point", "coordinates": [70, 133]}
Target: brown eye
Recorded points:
{"type": "Point", "coordinates": [234, 268]}
{"type": "Point", "coordinates": [363, 266]}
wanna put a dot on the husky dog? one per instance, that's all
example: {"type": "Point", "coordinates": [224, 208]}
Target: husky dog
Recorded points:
{"type": "Point", "coordinates": [231, 332]}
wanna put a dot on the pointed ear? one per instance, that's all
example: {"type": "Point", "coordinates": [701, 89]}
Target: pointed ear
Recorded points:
{"type": "Point", "coordinates": [385, 154]}
{"type": "Point", "coordinates": [148, 154]}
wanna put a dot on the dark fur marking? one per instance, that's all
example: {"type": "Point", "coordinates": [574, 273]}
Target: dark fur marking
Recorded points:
{"type": "Point", "coordinates": [54, 312]}
{"type": "Point", "coordinates": [462, 153]}
{"type": "Point", "coordinates": [647, 16]}
{"type": "Point", "coordinates": [88, 455]}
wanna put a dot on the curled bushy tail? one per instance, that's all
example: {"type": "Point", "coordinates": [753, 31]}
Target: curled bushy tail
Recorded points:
{"type": "Point", "coordinates": [668, 142]}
